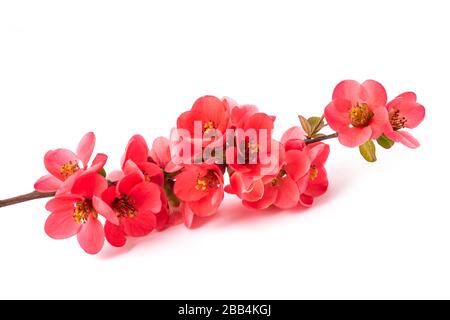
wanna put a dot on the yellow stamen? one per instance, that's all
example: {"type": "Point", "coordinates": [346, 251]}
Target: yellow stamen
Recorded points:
{"type": "Point", "coordinates": [360, 115]}
{"type": "Point", "coordinates": [313, 173]}
{"type": "Point", "coordinates": [82, 211]}
{"type": "Point", "coordinates": [69, 169]}
{"type": "Point", "coordinates": [209, 126]}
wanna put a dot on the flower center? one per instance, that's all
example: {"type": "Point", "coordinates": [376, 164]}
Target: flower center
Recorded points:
{"type": "Point", "coordinates": [206, 182]}
{"type": "Point", "coordinates": [360, 115]}
{"type": "Point", "coordinates": [208, 126]}
{"type": "Point", "coordinates": [69, 169]}
{"type": "Point", "coordinates": [82, 211]}
{"type": "Point", "coordinates": [313, 173]}
{"type": "Point", "coordinates": [125, 207]}
{"type": "Point", "coordinates": [281, 175]}
{"type": "Point", "coordinates": [397, 120]}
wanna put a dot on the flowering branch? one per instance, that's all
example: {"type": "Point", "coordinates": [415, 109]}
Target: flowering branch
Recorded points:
{"type": "Point", "coordinates": [183, 179]}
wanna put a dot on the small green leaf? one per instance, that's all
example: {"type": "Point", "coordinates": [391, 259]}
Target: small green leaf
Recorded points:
{"type": "Point", "coordinates": [368, 151]}
{"type": "Point", "coordinates": [102, 172]}
{"type": "Point", "coordinates": [385, 142]}
{"type": "Point", "coordinates": [316, 124]}
{"type": "Point", "coordinates": [305, 125]}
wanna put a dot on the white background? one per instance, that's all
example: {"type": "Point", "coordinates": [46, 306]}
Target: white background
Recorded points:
{"type": "Point", "coordinates": [120, 68]}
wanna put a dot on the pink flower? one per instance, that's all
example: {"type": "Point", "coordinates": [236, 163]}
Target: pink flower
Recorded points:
{"type": "Point", "coordinates": [254, 152]}
{"type": "Point", "coordinates": [135, 202]}
{"type": "Point", "coordinates": [315, 182]}
{"type": "Point", "coordinates": [160, 152]}
{"type": "Point", "coordinates": [77, 213]}
{"type": "Point", "coordinates": [357, 111]}
{"type": "Point", "coordinates": [281, 189]}
{"type": "Point", "coordinates": [200, 188]}
{"type": "Point", "coordinates": [65, 166]}
{"type": "Point", "coordinates": [211, 113]}
{"type": "Point", "coordinates": [137, 154]}
{"type": "Point", "coordinates": [404, 112]}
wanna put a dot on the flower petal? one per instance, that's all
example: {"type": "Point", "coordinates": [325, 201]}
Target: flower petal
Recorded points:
{"type": "Point", "coordinates": [147, 197]}
{"type": "Point", "coordinates": [139, 226]}
{"type": "Point", "coordinates": [85, 148]}
{"type": "Point", "coordinates": [91, 236]}
{"type": "Point", "coordinates": [354, 137]}
{"type": "Point", "coordinates": [376, 94]}
{"type": "Point", "coordinates": [337, 114]}
{"type": "Point", "coordinates": [288, 194]}
{"type": "Point", "coordinates": [297, 164]}
{"type": "Point", "coordinates": [105, 210]}
{"type": "Point", "coordinates": [137, 150]}
{"type": "Point", "coordinates": [207, 206]}
{"type": "Point", "coordinates": [55, 159]}
{"type": "Point", "coordinates": [47, 183]}
{"type": "Point", "coordinates": [89, 184]}
{"type": "Point", "coordinates": [268, 199]}
{"type": "Point", "coordinates": [115, 235]}
{"type": "Point", "coordinates": [61, 224]}
{"type": "Point", "coordinates": [350, 90]}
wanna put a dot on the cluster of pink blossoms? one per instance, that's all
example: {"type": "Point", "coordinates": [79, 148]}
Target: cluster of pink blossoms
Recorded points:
{"type": "Point", "coordinates": [183, 178]}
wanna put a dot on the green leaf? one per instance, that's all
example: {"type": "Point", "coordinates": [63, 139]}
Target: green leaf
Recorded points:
{"type": "Point", "coordinates": [102, 172]}
{"type": "Point", "coordinates": [385, 142]}
{"type": "Point", "coordinates": [305, 125]}
{"type": "Point", "coordinates": [368, 151]}
{"type": "Point", "coordinates": [316, 124]}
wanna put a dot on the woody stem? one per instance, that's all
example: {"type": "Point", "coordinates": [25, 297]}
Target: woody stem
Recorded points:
{"type": "Point", "coordinates": [26, 197]}
{"type": "Point", "coordinates": [322, 138]}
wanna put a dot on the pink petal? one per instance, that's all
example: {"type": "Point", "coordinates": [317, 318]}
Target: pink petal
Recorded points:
{"type": "Point", "coordinates": [98, 163]}
{"type": "Point", "coordinates": [207, 206]}
{"type": "Point", "coordinates": [268, 199]}
{"type": "Point", "coordinates": [260, 121]}
{"type": "Point", "coordinates": [294, 133]}
{"type": "Point", "coordinates": [160, 152]}
{"type": "Point", "coordinates": [319, 185]}
{"type": "Point", "coordinates": [306, 201]}
{"type": "Point", "coordinates": [239, 115]}
{"type": "Point", "coordinates": [297, 164]}
{"type": "Point", "coordinates": [89, 184]}
{"type": "Point", "coordinates": [61, 224]}
{"type": "Point", "coordinates": [115, 235]}
{"type": "Point", "coordinates": [91, 236]}
{"type": "Point", "coordinates": [376, 93]}
{"type": "Point", "coordinates": [85, 148]}
{"type": "Point", "coordinates": [408, 96]}
{"type": "Point", "coordinates": [115, 175]}
{"type": "Point", "coordinates": [337, 114]}
{"type": "Point", "coordinates": [185, 186]}
{"type": "Point", "coordinates": [405, 138]}
{"type": "Point", "coordinates": [55, 159]}
{"type": "Point", "coordinates": [350, 90]}
{"type": "Point", "coordinates": [66, 186]}
{"type": "Point", "coordinates": [247, 188]}
{"type": "Point", "coordinates": [379, 122]}
{"type": "Point", "coordinates": [288, 194]}
{"type": "Point", "coordinates": [139, 226]}
{"type": "Point", "coordinates": [137, 150]}
{"type": "Point", "coordinates": [354, 137]}
{"type": "Point", "coordinates": [147, 197]}
{"type": "Point", "coordinates": [318, 153]}
{"type": "Point", "coordinates": [188, 215]}
{"type": "Point", "coordinates": [129, 182]}
{"type": "Point", "coordinates": [105, 210]}
{"type": "Point", "coordinates": [415, 116]}
{"type": "Point", "coordinates": [65, 202]}
{"type": "Point", "coordinates": [47, 183]}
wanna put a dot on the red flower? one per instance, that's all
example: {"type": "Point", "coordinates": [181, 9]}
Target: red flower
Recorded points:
{"type": "Point", "coordinates": [77, 213]}
{"type": "Point", "coordinates": [200, 188]}
{"type": "Point", "coordinates": [357, 112]}
{"type": "Point", "coordinates": [315, 182]}
{"type": "Point", "coordinates": [404, 112]}
{"type": "Point", "coordinates": [135, 203]}
{"type": "Point", "coordinates": [65, 166]}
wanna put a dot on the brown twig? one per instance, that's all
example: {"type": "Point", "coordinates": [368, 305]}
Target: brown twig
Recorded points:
{"type": "Point", "coordinates": [322, 138]}
{"type": "Point", "coordinates": [25, 197]}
